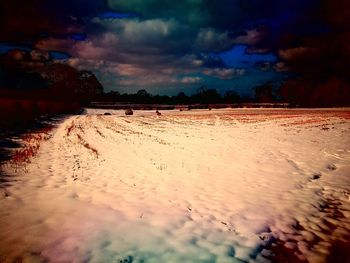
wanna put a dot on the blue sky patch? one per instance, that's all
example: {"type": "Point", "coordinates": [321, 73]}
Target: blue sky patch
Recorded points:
{"type": "Point", "coordinates": [238, 58]}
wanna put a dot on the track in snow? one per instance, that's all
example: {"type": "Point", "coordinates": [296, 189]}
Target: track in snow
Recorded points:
{"type": "Point", "coordinates": [199, 186]}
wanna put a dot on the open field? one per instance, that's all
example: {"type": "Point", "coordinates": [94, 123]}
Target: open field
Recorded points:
{"type": "Point", "coordinates": [229, 185]}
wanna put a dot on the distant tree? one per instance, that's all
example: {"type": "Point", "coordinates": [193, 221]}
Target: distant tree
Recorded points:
{"type": "Point", "coordinates": [295, 92]}
{"type": "Point", "coordinates": [142, 96]}
{"type": "Point", "coordinates": [90, 88]}
{"type": "Point", "coordinates": [161, 99]}
{"type": "Point", "coordinates": [202, 90]}
{"type": "Point", "coordinates": [334, 91]}
{"type": "Point", "coordinates": [181, 98]}
{"type": "Point", "coordinates": [142, 93]}
{"type": "Point", "coordinates": [231, 96]}
{"type": "Point", "coordinates": [67, 83]}
{"type": "Point", "coordinates": [246, 98]}
{"type": "Point", "coordinates": [16, 77]}
{"type": "Point", "coordinates": [264, 93]}
{"type": "Point", "coordinates": [205, 95]}
{"type": "Point", "coordinates": [112, 96]}
{"type": "Point", "coordinates": [64, 81]}
{"type": "Point", "coordinates": [33, 75]}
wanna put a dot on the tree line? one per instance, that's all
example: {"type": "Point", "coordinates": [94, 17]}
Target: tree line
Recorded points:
{"type": "Point", "coordinates": [35, 76]}
{"type": "Point", "coordinates": [204, 95]}
{"type": "Point", "coordinates": [24, 75]}
{"type": "Point", "coordinates": [297, 94]}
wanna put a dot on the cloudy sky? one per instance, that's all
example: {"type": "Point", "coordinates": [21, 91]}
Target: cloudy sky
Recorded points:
{"type": "Point", "coordinates": [167, 46]}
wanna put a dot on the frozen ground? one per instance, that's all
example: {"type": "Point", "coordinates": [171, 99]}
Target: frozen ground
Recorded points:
{"type": "Point", "coordinates": [197, 186]}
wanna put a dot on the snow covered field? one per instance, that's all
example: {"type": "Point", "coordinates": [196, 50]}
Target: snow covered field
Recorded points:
{"type": "Point", "coordinates": [232, 185]}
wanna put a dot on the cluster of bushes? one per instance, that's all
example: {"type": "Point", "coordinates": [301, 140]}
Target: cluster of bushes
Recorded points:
{"type": "Point", "coordinates": [335, 92]}
{"type": "Point", "coordinates": [14, 112]}
{"type": "Point", "coordinates": [34, 85]}
{"type": "Point", "coordinates": [266, 93]}
{"type": "Point", "coordinates": [203, 96]}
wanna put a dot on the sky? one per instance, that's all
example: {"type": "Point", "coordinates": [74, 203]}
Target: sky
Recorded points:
{"type": "Point", "coordinates": [167, 46]}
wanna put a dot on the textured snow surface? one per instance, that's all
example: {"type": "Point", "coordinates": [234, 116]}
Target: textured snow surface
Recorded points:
{"type": "Point", "coordinates": [192, 186]}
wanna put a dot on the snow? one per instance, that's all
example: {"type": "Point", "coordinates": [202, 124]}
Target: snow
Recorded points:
{"type": "Point", "coordinates": [191, 186]}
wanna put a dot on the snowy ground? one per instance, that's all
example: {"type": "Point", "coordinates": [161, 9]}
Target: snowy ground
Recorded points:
{"type": "Point", "coordinates": [194, 186]}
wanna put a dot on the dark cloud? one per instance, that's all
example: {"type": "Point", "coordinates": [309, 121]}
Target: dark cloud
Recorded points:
{"type": "Point", "coordinates": [136, 43]}
{"type": "Point", "coordinates": [28, 20]}
{"type": "Point", "coordinates": [190, 12]}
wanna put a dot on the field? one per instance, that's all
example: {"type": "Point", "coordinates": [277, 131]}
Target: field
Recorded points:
{"type": "Point", "coordinates": [228, 185]}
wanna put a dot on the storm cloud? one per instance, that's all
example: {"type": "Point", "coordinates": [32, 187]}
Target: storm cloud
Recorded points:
{"type": "Point", "coordinates": [170, 46]}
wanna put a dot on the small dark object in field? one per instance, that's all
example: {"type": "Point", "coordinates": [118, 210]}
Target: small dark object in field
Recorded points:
{"type": "Point", "coordinates": [331, 167]}
{"type": "Point", "coordinates": [129, 112]}
{"type": "Point", "coordinates": [316, 176]}
{"type": "Point", "coordinates": [107, 113]}
{"type": "Point", "coordinates": [158, 113]}
{"type": "Point", "coordinates": [128, 259]}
